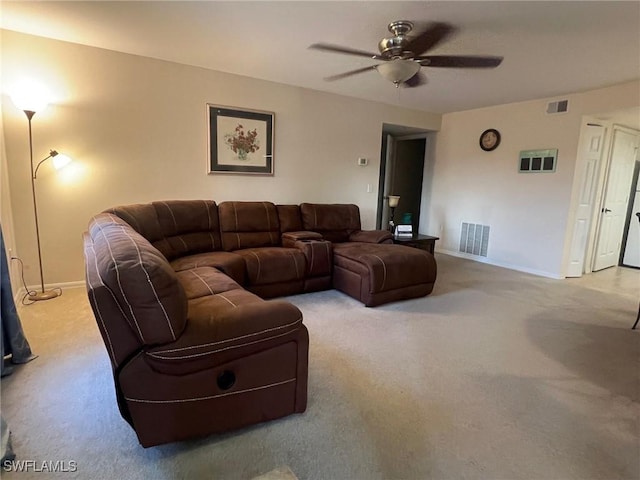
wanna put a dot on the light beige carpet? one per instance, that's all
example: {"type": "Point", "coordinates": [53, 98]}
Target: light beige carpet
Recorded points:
{"type": "Point", "coordinates": [496, 375]}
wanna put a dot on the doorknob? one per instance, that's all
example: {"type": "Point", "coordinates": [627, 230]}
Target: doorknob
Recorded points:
{"type": "Point", "coordinates": [605, 210]}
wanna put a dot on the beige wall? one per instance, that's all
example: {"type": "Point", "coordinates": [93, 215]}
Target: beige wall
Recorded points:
{"type": "Point", "coordinates": [137, 129]}
{"type": "Point", "coordinates": [6, 217]}
{"type": "Point", "coordinates": [528, 213]}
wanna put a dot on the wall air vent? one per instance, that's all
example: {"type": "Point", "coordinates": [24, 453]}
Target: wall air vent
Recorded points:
{"type": "Point", "coordinates": [561, 106]}
{"type": "Point", "coordinates": [474, 239]}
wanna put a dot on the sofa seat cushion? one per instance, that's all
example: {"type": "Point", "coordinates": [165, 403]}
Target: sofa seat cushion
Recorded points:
{"type": "Point", "coordinates": [385, 267]}
{"type": "Point", "coordinates": [269, 265]}
{"type": "Point", "coordinates": [203, 281]}
{"type": "Point", "coordinates": [223, 327]}
{"type": "Point", "coordinates": [230, 263]}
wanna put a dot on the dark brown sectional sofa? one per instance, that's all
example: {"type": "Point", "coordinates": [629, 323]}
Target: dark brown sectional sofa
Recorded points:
{"type": "Point", "coordinates": [178, 290]}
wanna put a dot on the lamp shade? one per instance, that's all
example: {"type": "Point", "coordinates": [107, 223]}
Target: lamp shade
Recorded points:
{"type": "Point", "coordinates": [393, 200]}
{"type": "Point", "coordinates": [30, 97]}
{"type": "Point", "coordinates": [399, 70]}
{"type": "Point", "coordinates": [60, 161]}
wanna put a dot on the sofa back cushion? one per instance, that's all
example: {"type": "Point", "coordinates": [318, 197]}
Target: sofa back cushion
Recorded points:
{"type": "Point", "coordinates": [177, 227]}
{"type": "Point", "coordinates": [189, 226]}
{"type": "Point", "coordinates": [248, 225]}
{"type": "Point", "coordinates": [290, 218]}
{"type": "Point", "coordinates": [335, 222]}
{"type": "Point", "coordinates": [139, 280]}
{"type": "Point", "coordinates": [144, 220]}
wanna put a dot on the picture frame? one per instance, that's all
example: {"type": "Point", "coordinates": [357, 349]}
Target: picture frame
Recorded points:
{"type": "Point", "coordinates": [240, 140]}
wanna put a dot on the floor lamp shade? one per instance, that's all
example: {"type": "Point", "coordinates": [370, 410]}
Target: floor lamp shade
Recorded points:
{"type": "Point", "coordinates": [30, 97]}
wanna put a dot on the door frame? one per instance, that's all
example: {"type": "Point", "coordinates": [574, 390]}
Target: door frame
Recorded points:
{"type": "Point", "coordinates": [390, 135]}
{"type": "Point", "coordinates": [590, 252]}
{"type": "Point", "coordinates": [598, 211]}
{"type": "Point", "coordinates": [386, 164]}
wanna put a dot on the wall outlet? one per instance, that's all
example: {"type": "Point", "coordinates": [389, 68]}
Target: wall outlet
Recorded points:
{"type": "Point", "coordinates": [363, 162]}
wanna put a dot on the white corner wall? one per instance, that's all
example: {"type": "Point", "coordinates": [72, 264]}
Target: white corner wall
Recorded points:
{"type": "Point", "coordinates": [528, 213]}
{"type": "Point", "coordinates": [137, 129]}
{"type": "Point", "coordinates": [6, 217]}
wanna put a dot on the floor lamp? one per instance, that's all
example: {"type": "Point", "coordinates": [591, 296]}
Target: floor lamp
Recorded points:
{"type": "Point", "coordinates": [30, 108]}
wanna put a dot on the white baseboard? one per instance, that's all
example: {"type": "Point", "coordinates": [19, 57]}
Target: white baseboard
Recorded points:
{"type": "Point", "coordinates": [475, 258]}
{"type": "Point", "coordinates": [17, 297]}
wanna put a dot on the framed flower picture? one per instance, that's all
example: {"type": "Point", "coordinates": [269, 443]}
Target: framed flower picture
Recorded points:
{"type": "Point", "coordinates": [240, 141]}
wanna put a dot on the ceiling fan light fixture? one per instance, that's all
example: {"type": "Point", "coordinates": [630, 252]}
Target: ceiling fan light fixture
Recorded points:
{"type": "Point", "coordinates": [398, 70]}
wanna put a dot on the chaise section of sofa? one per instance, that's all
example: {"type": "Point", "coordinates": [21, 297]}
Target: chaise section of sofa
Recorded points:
{"type": "Point", "coordinates": [366, 264]}
{"type": "Point", "coordinates": [377, 274]}
{"type": "Point", "coordinates": [192, 352]}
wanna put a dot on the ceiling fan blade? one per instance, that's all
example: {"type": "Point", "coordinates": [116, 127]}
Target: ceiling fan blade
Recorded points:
{"type": "Point", "coordinates": [459, 61]}
{"type": "Point", "coordinates": [417, 80]}
{"type": "Point", "coordinates": [349, 73]}
{"type": "Point", "coordinates": [345, 50]}
{"type": "Point", "coordinates": [433, 35]}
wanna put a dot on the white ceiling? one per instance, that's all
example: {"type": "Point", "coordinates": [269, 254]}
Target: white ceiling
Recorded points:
{"type": "Point", "coordinates": [549, 48]}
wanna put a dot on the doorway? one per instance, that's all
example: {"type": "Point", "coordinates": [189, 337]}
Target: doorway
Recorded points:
{"type": "Point", "coordinates": [607, 154]}
{"type": "Point", "coordinates": [402, 167]}
{"type": "Point", "coordinates": [617, 194]}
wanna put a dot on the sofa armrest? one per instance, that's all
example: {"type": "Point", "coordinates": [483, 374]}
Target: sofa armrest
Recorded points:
{"type": "Point", "coordinates": [317, 252]}
{"type": "Point", "coordinates": [290, 238]}
{"type": "Point", "coordinates": [371, 236]}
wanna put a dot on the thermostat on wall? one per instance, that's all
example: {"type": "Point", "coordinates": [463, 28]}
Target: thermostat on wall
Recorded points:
{"type": "Point", "coordinates": [363, 162]}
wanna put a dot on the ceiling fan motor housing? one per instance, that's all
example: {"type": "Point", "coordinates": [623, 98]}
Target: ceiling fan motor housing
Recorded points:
{"type": "Point", "coordinates": [394, 47]}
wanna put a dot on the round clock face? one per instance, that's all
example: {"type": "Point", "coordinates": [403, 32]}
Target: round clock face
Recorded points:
{"type": "Point", "coordinates": [489, 140]}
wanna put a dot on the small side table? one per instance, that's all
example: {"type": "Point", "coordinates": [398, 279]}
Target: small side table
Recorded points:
{"type": "Point", "coordinates": [424, 242]}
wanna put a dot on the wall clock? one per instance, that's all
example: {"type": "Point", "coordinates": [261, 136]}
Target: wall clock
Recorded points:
{"type": "Point", "coordinates": [490, 139]}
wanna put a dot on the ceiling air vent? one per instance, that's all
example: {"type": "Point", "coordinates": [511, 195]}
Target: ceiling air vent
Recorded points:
{"type": "Point", "coordinates": [561, 106]}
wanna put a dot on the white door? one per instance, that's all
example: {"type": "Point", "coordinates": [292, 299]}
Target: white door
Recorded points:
{"type": "Point", "coordinates": [589, 155]}
{"type": "Point", "coordinates": [623, 154]}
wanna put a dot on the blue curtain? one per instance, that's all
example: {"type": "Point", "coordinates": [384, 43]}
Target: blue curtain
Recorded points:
{"type": "Point", "coordinates": [13, 344]}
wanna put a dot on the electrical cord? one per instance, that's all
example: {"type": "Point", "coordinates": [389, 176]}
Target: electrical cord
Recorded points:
{"type": "Point", "coordinates": [30, 293]}
{"type": "Point", "coordinates": [24, 283]}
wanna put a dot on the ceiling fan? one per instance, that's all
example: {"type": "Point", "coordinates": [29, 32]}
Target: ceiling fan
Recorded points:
{"type": "Point", "coordinates": [403, 55]}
